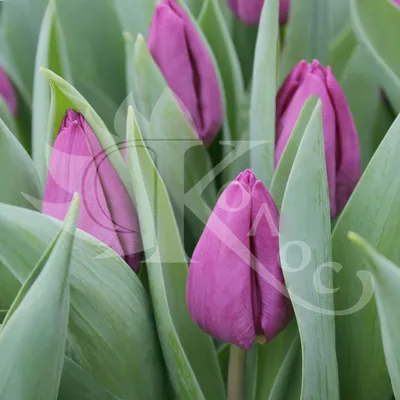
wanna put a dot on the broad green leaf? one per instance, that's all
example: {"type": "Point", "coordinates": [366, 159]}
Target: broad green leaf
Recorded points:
{"type": "Point", "coordinates": [111, 332]}
{"type": "Point", "coordinates": [34, 333]}
{"type": "Point", "coordinates": [245, 37]}
{"type": "Point", "coordinates": [21, 20]}
{"type": "Point", "coordinates": [373, 212]}
{"type": "Point", "coordinates": [9, 287]}
{"type": "Point", "coordinates": [95, 51]}
{"type": "Point", "coordinates": [387, 280]}
{"type": "Point", "coordinates": [135, 16]}
{"type": "Point", "coordinates": [341, 51]}
{"type": "Point", "coordinates": [363, 95]}
{"type": "Point", "coordinates": [305, 251]}
{"type": "Point", "coordinates": [18, 173]}
{"type": "Point", "coordinates": [339, 16]}
{"type": "Point", "coordinates": [307, 36]}
{"type": "Point", "coordinates": [216, 31]}
{"type": "Point", "coordinates": [77, 384]}
{"type": "Point", "coordinates": [276, 364]}
{"type": "Point", "coordinates": [49, 55]}
{"type": "Point", "coordinates": [194, 6]}
{"type": "Point", "coordinates": [65, 96]}
{"type": "Point", "coordinates": [262, 104]}
{"type": "Point", "coordinates": [376, 24]}
{"type": "Point", "coordinates": [189, 353]}
{"type": "Point", "coordinates": [7, 118]}
{"type": "Point", "coordinates": [284, 167]}
{"type": "Point", "coordinates": [179, 155]}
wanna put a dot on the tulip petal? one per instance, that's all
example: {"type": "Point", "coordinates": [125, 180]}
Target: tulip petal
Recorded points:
{"type": "Point", "coordinates": [79, 164]}
{"type": "Point", "coordinates": [311, 84]}
{"type": "Point", "coordinates": [219, 281]}
{"type": "Point", "coordinates": [275, 309]}
{"type": "Point", "coordinates": [167, 42]}
{"type": "Point", "coordinates": [248, 11]}
{"type": "Point", "coordinates": [187, 66]}
{"type": "Point", "coordinates": [348, 168]}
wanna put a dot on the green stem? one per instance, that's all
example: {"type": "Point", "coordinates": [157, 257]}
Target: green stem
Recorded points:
{"type": "Point", "coordinates": [236, 373]}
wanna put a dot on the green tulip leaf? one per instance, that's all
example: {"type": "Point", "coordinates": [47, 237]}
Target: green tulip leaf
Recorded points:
{"type": "Point", "coordinates": [262, 104]}
{"type": "Point", "coordinates": [179, 155]}
{"type": "Point", "coordinates": [285, 165]}
{"type": "Point", "coordinates": [387, 280]}
{"type": "Point", "coordinates": [216, 31]}
{"type": "Point", "coordinates": [111, 331]}
{"type": "Point", "coordinates": [19, 177]}
{"type": "Point", "coordinates": [189, 353]}
{"type": "Point", "coordinates": [49, 55]}
{"type": "Point", "coordinates": [373, 212]}
{"type": "Point", "coordinates": [375, 24]}
{"type": "Point", "coordinates": [20, 27]}
{"type": "Point", "coordinates": [305, 251]}
{"type": "Point", "coordinates": [95, 51]}
{"type": "Point", "coordinates": [78, 384]}
{"type": "Point", "coordinates": [308, 34]}
{"type": "Point", "coordinates": [34, 333]}
{"type": "Point", "coordinates": [135, 16]}
{"type": "Point", "coordinates": [363, 96]}
{"type": "Point", "coordinates": [7, 118]}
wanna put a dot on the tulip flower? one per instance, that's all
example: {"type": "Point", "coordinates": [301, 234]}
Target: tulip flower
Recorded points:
{"type": "Point", "coordinates": [236, 289]}
{"type": "Point", "coordinates": [187, 66]}
{"type": "Point", "coordinates": [249, 11]}
{"type": "Point", "coordinates": [78, 164]}
{"type": "Point", "coordinates": [7, 92]}
{"type": "Point", "coordinates": [342, 149]}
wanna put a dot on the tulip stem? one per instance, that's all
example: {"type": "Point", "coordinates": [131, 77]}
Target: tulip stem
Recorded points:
{"type": "Point", "coordinates": [236, 373]}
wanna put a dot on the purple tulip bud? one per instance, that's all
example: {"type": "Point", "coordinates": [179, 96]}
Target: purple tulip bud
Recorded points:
{"type": "Point", "coordinates": [78, 164]}
{"type": "Point", "coordinates": [187, 66]}
{"type": "Point", "coordinates": [342, 149]}
{"type": "Point", "coordinates": [249, 11]}
{"type": "Point", "coordinates": [236, 289]}
{"type": "Point", "coordinates": [7, 92]}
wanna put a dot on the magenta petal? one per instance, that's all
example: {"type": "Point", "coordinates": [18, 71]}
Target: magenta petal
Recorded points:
{"type": "Point", "coordinates": [187, 66]}
{"type": "Point", "coordinates": [7, 92]}
{"type": "Point", "coordinates": [78, 164]}
{"type": "Point", "coordinates": [348, 151]}
{"type": "Point", "coordinates": [248, 11]}
{"type": "Point", "coordinates": [311, 85]}
{"type": "Point", "coordinates": [274, 306]}
{"type": "Point", "coordinates": [284, 7]}
{"type": "Point", "coordinates": [219, 281]}
{"type": "Point", "coordinates": [168, 46]}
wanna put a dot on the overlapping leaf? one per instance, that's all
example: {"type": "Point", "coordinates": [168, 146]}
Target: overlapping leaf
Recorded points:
{"type": "Point", "coordinates": [189, 353]}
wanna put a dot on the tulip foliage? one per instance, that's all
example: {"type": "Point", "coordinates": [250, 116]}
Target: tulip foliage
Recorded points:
{"type": "Point", "coordinates": [199, 199]}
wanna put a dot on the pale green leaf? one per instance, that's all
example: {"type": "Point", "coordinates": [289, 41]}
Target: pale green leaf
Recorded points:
{"type": "Point", "coordinates": [111, 331]}
{"type": "Point", "coordinates": [264, 86]}
{"type": "Point", "coordinates": [216, 31]}
{"type": "Point", "coordinates": [387, 282]}
{"type": "Point", "coordinates": [284, 167]}
{"type": "Point", "coordinates": [95, 50]}
{"type": "Point", "coordinates": [34, 333]}
{"type": "Point", "coordinates": [377, 24]}
{"type": "Point", "coordinates": [18, 173]}
{"type": "Point", "coordinates": [363, 95]}
{"type": "Point", "coordinates": [49, 55]}
{"type": "Point", "coordinates": [135, 16]}
{"type": "Point", "coordinates": [305, 251]}
{"type": "Point", "coordinates": [21, 20]}
{"type": "Point", "coordinates": [307, 36]}
{"type": "Point", "coordinates": [373, 211]}
{"type": "Point", "coordinates": [189, 353]}
{"type": "Point", "coordinates": [179, 155]}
